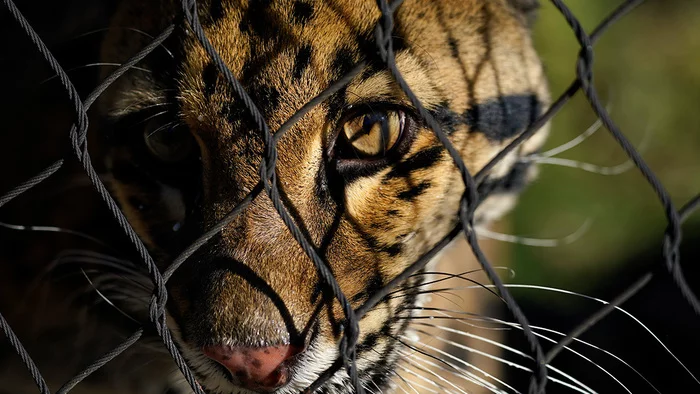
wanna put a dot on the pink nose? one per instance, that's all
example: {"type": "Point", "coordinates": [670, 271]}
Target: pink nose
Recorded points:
{"type": "Point", "coordinates": [256, 368]}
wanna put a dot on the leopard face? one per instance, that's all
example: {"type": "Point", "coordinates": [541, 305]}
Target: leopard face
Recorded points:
{"type": "Point", "coordinates": [362, 175]}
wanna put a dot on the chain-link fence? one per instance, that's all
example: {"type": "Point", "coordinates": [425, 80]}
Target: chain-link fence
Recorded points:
{"type": "Point", "coordinates": [268, 184]}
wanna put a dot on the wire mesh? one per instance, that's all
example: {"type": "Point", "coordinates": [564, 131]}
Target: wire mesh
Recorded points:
{"type": "Point", "coordinates": [268, 184]}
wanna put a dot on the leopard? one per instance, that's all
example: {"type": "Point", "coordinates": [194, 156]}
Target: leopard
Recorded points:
{"type": "Point", "coordinates": [363, 176]}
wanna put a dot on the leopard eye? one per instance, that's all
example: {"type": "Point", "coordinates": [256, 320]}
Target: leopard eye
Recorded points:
{"type": "Point", "coordinates": [170, 142]}
{"type": "Point", "coordinates": [372, 134]}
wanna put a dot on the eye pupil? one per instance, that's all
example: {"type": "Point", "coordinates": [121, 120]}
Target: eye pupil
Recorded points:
{"type": "Point", "coordinates": [373, 134]}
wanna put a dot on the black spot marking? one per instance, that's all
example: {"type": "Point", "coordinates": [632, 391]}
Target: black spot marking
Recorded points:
{"type": "Point", "coordinates": [265, 97]}
{"type": "Point", "coordinates": [302, 61]}
{"type": "Point", "coordinates": [392, 212]}
{"type": "Point", "coordinates": [420, 160]}
{"type": "Point", "coordinates": [375, 283]}
{"type": "Point", "coordinates": [256, 363]}
{"type": "Point", "coordinates": [210, 75]}
{"type": "Point", "coordinates": [302, 12]}
{"type": "Point", "coordinates": [257, 21]}
{"type": "Point", "coordinates": [505, 117]}
{"type": "Point", "coordinates": [372, 242]}
{"type": "Point", "coordinates": [216, 11]}
{"type": "Point", "coordinates": [393, 250]}
{"type": "Point", "coordinates": [454, 47]}
{"type": "Point", "coordinates": [413, 192]}
{"type": "Point", "coordinates": [343, 61]}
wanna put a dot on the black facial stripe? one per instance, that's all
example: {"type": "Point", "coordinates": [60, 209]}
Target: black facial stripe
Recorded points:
{"type": "Point", "coordinates": [375, 283]}
{"type": "Point", "coordinates": [503, 118]}
{"type": "Point", "coordinates": [370, 342]}
{"type": "Point", "coordinates": [448, 119]}
{"type": "Point", "coordinates": [512, 182]}
{"type": "Point", "coordinates": [302, 61]}
{"type": "Point", "coordinates": [393, 250]}
{"type": "Point", "coordinates": [454, 46]}
{"type": "Point", "coordinates": [302, 12]}
{"type": "Point", "coordinates": [414, 191]}
{"type": "Point", "coordinates": [497, 119]}
{"type": "Point", "coordinates": [420, 160]}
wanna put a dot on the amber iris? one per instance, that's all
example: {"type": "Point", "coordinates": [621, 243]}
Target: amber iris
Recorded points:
{"type": "Point", "coordinates": [374, 134]}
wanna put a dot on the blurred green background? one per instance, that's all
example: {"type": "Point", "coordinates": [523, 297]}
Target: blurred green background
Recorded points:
{"type": "Point", "coordinates": [647, 71]}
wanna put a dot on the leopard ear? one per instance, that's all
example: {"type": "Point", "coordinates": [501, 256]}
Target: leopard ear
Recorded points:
{"type": "Point", "coordinates": [526, 7]}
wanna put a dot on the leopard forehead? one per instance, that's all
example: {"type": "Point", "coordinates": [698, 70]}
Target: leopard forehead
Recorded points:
{"type": "Point", "coordinates": [471, 64]}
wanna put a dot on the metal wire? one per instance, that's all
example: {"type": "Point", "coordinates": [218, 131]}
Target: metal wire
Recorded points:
{"type": "Point", "coordinates": [269, 184]}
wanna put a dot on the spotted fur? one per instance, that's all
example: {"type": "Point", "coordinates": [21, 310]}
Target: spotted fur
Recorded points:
{"type": "Point", "coordinates": [470, 62]}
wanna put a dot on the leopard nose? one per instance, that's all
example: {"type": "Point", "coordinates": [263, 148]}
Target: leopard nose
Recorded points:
{"type": "Point", "coordinates": [261, 369]}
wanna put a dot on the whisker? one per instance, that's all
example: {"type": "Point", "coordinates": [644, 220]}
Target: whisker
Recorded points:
{"type": "Point", "coordinates": [635, 319]}
{"type": "Point", "coordinates": [464, 374]}
{"type": "Point", "coordinates": [98, 64]}
{"type": "Point", "coordinates": [449, 276]}
{"type": "Point", "coordinates": [480, 338]}
{"type": "Point", "coordinates": [416, 383]}
{"type": "Point", "coordinates": [169, 124]}
{"type": "Point", "coordinates": [419, 364]}
{"type": "Point", "coordinates": [423, 378]}
{"type": "Point", "coordinates": [155, 101]}
{"type": "Point", "coordinates": [53, 229]}
{"type": "Point", "coordinates": [124, 28]}
{"type": "Point", "coordinates": [542, 242]}
{"type": "Point", "coordinates": [101, 259]}
{"type": "Point", "coordinates": [407, 383]}
{"type": "Point", "coordinates": [107, 299]}
{"type": "Point", "coordinates": [463, 320]}
{"type": "Point", "coordinates": [588, 167]}
{"type": "Point", "coordinates": [592, 129]}
{"type": "Point", "coordinates": [151, 106]}
{"type": "Point", "coordinates": [142, 121]}
{"type": "Point", "coordinates": [499, 359]}
{"type": "Point", "coordinates": [518, 326]}
{"type": "Point", "coordinates": [470, 316]}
